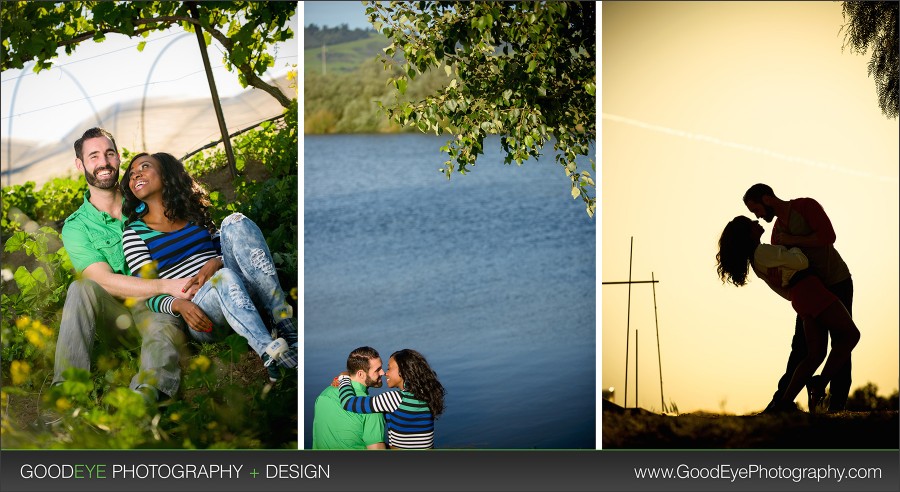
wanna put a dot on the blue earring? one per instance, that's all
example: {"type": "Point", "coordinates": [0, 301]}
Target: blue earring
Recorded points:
{"type": "Point", "coordinates": [140, 208]}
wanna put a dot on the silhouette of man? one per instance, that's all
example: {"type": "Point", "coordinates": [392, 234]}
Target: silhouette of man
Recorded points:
{"type": "Point", "coordinates": [803, 223]}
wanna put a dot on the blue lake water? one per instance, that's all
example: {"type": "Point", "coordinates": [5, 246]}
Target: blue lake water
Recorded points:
{"type": "Point", "coordinates": [491, 276]}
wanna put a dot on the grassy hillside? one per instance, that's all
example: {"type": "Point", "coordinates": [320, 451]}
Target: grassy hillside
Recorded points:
{"type": "Point", "coordinates": [345, 98]}
{"type": "Point", "coordinates": [344, 57]}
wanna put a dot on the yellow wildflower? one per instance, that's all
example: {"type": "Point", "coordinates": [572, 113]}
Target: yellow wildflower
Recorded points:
{"type": "Point", "coordinates": [201, 363]}
{"type": "Point", "coordinates": [34, 337]}
{"type": "Point", "coordinates": [148, 270]}
{"type": "Point", "coordinates": [63, 404]}
{"type": "Point", "coordinates": [175, 417]}
{"type": "Point", "coordinates": [20, 371]}
{"type": "Point", "coordinates": [46, 331]}
{"type": "Point", "coordinates": [294, 293]}
{"type": "Point", "coordinates": [22, 322]}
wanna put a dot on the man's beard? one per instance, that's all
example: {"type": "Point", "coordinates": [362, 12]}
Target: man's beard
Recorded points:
{"type": "Point", "coordinates": [104, 184]}
{"type": "Point", "coordinates": [770, 213]}
{"type": "Point", "coordinates": [373, 383]}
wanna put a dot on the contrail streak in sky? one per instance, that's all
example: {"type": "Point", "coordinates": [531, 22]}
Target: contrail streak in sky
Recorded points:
{"type": "Point", "coordinates": [748, 148]}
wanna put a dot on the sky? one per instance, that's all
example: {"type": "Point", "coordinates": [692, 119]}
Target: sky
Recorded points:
{"type": "Point", "coordinates": [44, 107]}
{"type": "Point", "coordinates": [333, 14]}
{"type": "Point", "coordinates": [700, 101]}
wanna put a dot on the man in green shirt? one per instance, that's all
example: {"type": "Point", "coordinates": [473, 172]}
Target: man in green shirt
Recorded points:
{"type": "Point", "coordinates": [336, 428]}
{"type": "Point", "coordinates": [97, 304]}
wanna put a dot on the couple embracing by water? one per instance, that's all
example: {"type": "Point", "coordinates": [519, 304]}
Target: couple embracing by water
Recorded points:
{"type": "Point", "coordinates": [346, 417]}
{"type": "Point", "coordinates": [151, 262]}
{"type": "Point", "coordinates": [802, 265]}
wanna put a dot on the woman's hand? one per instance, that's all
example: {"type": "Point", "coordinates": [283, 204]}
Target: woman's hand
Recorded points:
{"type": "Point", "coordinates": [334, 382]}
{"type": "Point", "coordinates": [206, 272]}
{"type": "Point", "coordinates": [195, 318]}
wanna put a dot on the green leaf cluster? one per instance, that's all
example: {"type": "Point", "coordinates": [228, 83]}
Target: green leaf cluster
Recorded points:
{"type": "Point", "coordinates": [57, 199]}
{"type": "Point", "coordinates": [245, 29]}
{"type": "Point", "coordinates": [40, 287]}
{"type": "Point", "coordinates": [522, 70]}
{"type": "Point", "coordinates": [872, 27]}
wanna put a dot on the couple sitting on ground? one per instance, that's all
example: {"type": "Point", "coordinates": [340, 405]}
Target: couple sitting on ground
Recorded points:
{"type": "Point", "coordinates": [347, 418]}
{"type": "Point", "coordinates": [151, 240]}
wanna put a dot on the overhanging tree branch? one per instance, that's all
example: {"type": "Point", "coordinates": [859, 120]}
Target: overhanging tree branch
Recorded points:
{"type": "Point", "coordinates": [69, 24]}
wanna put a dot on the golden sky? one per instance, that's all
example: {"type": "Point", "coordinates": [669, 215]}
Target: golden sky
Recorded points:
{"type": "Point", "coordinates": [700, 100]}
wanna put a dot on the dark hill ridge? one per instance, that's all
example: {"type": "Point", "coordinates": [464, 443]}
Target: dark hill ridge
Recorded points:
{"type": "Point", "coordinates": [634, 428]}
{"type": "Point", "coordinates": [315, 36]}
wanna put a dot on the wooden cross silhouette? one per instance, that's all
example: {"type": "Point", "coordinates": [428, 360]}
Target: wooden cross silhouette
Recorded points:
{"type": "Point", "coordinates": [629, 282]}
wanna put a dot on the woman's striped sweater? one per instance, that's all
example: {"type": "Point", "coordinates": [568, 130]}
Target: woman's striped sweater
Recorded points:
{"type": "Point", "coordinates": [408, 420]}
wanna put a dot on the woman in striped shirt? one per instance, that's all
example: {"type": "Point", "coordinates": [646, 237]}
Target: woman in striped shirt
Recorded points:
{"type": "Point", "coordinates": [410, 411]}
{"type": "Point", "coordinates": [170, 234]}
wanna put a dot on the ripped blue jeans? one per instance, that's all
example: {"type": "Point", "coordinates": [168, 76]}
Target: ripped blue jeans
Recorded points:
{"type": "Point", "coordinates": [239, 295]}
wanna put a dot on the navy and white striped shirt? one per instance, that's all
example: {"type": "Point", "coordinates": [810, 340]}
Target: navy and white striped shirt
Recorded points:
{"type": "Point", "coordinates": [176, 254]}
{"type": "Point", "coordinates": [408, 420]}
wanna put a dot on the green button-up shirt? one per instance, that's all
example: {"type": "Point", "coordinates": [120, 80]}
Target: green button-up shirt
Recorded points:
{"type": "Point", "coordinates": [336, 428]}
{"type": "Point", "coordinates": [91, 236]}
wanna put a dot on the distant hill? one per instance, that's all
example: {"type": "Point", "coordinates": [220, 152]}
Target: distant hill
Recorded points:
{"type": "Point", "coordinates": [344, 57]}
{"type": "Point", "coordinates": [315, 36]}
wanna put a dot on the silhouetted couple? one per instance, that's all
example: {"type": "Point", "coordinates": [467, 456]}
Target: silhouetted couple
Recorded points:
{"type": "Point", "coordinates": [802, 265]}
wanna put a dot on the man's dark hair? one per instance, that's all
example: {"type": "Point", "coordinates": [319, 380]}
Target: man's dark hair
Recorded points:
{"type": "Point", "coordinates": [757, 191]}
{"type": "Point", "coordinates": [359, 359]}
{"type": "Point", "coordinates": [93, 133]}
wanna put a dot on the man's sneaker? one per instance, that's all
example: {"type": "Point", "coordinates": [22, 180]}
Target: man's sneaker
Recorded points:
{"type": "Point", "coordinates": [149, 394]}
{"type": "Point", "coordinates": [780, 408]}
{"type": "Point", "coordinates": [286, 329]}
{"type": "Point", "coordinates": [815, 391]}
{"type": "Point", "coordinates": [279, 354]}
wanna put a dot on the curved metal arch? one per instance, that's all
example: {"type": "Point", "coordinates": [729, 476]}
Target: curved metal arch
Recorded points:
{"type": "Point", "coordinates": [12, 114]}
{"type": "Point", "coordinates": [147, 85]}
{"type": "Point", "coordinates": [87, 97]}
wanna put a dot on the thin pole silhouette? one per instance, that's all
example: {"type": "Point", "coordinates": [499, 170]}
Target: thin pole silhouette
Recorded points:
{"type": "Point", "coordinates": [217, 104]}
{"type": "Point", "coordinates": [628, 319]}
{"type": "Point", "coordinates": [635, 368]}
{"type": "Point", "coordinates": [662, 398]}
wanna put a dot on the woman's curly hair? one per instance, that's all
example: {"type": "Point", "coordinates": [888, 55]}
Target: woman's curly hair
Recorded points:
{"type": "Point", "coordinates": [736, 247]}
{"type": "Point", "coordinates": [183, 197]}
{"type": "Point", "coordinates": [420, 380]}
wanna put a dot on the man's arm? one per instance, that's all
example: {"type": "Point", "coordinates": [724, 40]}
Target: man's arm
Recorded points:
{"type": "Point", "coordinates": [823, 232]}
{"type": "Point", "coordinates": [377, 445]}
{"type": "Point", "coordinates": [123, 286]}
